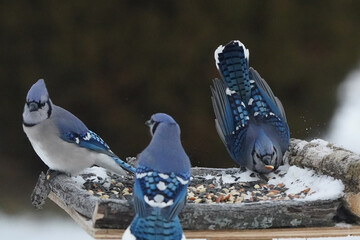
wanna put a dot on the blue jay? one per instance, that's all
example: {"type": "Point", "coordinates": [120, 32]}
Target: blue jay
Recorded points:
{"type": "Point", "coordinates": [61, 140]}
{"type": "Point", "coordinates": [161, 180]}
{"type": "Point", "coordinates": [250, 120]}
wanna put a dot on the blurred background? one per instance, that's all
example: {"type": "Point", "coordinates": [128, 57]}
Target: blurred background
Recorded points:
{"type": "Point", "coordinates": [114, 63]}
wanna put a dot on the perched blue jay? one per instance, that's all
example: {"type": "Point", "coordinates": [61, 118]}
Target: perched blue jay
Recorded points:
{"type": "Point", "coordinates": [61, 140]}
{"type": "Point", "coordinates": [250, 120]}
{"type": "Point", "coordinates": [161, 180]}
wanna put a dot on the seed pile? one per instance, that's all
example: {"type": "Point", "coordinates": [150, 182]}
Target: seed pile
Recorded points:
{"type": "Point", "coordinates": [240, 192]}
{"type": "Point", "coordinates": [115, 187]}
{"type": "Point", "coordinates": [202, 189]}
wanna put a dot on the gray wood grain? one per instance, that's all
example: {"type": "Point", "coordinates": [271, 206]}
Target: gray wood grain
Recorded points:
{"type": "Point", "coordinates": [336, 162]}
{"type": "Point", "coordinates": [327, 159]}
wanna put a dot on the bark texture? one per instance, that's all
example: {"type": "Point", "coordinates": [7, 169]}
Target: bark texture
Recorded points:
{"type": "Point", "coordinates": [324, 158]}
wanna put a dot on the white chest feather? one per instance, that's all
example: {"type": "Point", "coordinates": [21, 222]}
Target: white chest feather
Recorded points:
{"type": "Point", "coordinates": [56, 153]}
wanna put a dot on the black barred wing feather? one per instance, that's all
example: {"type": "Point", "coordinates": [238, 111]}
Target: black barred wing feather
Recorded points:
{"type": "Point", "coordinates": [165, 191]}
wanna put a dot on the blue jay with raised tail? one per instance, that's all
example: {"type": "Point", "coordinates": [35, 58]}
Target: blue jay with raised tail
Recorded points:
{"type": "Point", "coordinates": [250, 120]}
{"type": "Point", "coordinates": [161, 181]}
{"type": "Point", "coordinates": [61, 140]}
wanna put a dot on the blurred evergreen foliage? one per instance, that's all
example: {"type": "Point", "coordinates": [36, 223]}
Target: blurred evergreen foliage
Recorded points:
{"type": "Point", "coordinates": [114, 63]}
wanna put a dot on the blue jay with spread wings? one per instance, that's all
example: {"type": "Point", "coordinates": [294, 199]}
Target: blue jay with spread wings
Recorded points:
{"type": "Point", "coordinates": [161, 180]}
{"type": "Point", "coordinates": [250, 120]}
{"type": "Point", "coordinates": [61, 140]}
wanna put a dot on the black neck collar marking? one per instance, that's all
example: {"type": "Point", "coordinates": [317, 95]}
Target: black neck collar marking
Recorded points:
{"type": "Point", "coordinates": [154, 127]}
{"type": "Point", "coordinates": [29, 124]}
{"type": "Point", "coordinates": [50, 108]}
{"type": "Point", "coordinates": [48, 116]}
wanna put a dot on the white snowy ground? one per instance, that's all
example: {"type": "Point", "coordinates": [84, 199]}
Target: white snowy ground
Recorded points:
{"type": "Point", "coordinates": [41, 227]}
{"type": "Point", "coordinates": [344, 127]}
{"type": "Point", "coordinates": [296, 180]}
{"type": "Point", "coordinates": [344, 130]}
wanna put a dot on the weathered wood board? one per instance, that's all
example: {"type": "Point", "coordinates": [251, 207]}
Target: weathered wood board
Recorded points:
{"type": "Point", "coordinates": [117, 214]}
{"type": "Point", "coordinates": [230, 216]}
{"type": "Point", "coordinates": [105, 218]}
{"type": "Point", "coordinates": [255, 234]}
{"type": "Point", "coordinates": [328, 159]}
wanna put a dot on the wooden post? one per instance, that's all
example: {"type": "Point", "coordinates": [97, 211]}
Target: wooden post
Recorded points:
{"type": "Point", "coordinates": [328, 159]}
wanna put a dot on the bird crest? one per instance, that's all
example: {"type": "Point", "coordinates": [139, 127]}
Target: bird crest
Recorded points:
{"type": "Point", "coordinates": [38, 92]}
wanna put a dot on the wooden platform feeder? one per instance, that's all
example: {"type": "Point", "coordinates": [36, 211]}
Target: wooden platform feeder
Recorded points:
{"type": "Point", "coordinates": [107, 218]}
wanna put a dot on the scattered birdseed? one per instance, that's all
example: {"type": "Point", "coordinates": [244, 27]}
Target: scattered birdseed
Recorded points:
{"type": "Point", "coordinates": [202, 189]}
{"type": "Point", "coordinates": [117, 187]}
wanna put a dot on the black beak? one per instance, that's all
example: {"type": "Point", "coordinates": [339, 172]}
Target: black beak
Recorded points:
{"type": "Point", "coordinates": [33, 106]}
{"type": "Point", "coordinates": [266, 160]}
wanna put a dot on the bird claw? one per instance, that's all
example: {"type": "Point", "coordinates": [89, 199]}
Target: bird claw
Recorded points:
{"type": "Point", "coordinates": [51, 174]}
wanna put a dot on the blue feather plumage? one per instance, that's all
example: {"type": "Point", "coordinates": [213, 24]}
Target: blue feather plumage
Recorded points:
{"type": "Point", "coordinates": [250, 120]}
{"type": "Point", "coordinates": [90, 140]}
{"type": "Point", "coordinates": [48, 126]}
{"type": "Point", "coordinates": [161, 181]}
{"type": "Point", "coordinates": [156, 220]}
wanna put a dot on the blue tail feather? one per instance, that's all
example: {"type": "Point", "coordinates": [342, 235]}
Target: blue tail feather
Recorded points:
{"type": "Point", "coordinates": [155, 227]}
{"type": "Point", "coordinates": [245, 106]}
{"type": "Point", "coordinates": [232, 63]}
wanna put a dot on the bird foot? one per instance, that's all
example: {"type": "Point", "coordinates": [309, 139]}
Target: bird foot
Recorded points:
{"type": "Point", "coordinates": [51, 174]}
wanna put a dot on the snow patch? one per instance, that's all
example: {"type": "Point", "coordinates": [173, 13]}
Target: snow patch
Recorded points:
{"type": "Point", "coordinates": [343, 225]}
{"type": "Point", "coordinates": [322, 149]}
{"type": "Point", "coordinates": [305, 183]}
{"type": "Point", "coordinates": [241, 176]}
{"type": "Point", "coordinates": [301, 144]}
{"type": "Point", "coordinates": [297, 179]}
{"type": "Point", "coordinates": [40, 226]}
{"type": "Point", "coordinates": [245, 176]}
{"type": "Point", "coordinates": [99, 174]}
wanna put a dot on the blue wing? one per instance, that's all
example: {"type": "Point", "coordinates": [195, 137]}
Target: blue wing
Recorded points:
{"type": "Point", "coordinates": [260, 87]}
{"type": "Point", "coordinates": [165, 192]}
{"type": "Point", "coordinates": [89, 140]}
{"type": "Point", "coordinates": [232, 118]}
{"type": "Point", "coordinates": [92, 141]}
{"type": "Point", "coordinates": [73, 130]}
{"type": "Point", "coordinates": [267, 108]}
